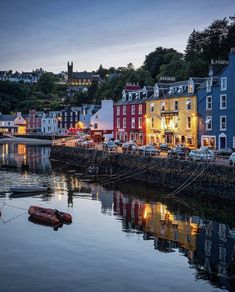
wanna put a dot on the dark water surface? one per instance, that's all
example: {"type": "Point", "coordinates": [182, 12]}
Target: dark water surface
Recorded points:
{"type": "Point", "coordinates": [118, 241]}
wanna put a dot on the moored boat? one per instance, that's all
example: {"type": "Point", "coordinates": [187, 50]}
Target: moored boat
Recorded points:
{"type": "Point", "coordinates": [47, 215]}
{"type": "Point", "coordinates": [29, 188]}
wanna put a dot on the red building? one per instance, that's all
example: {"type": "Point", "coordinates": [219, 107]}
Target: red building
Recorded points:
{"type": "Point", "coordinates": [130, 114]}
{"type": "Point", "coordinates": [34, 121]}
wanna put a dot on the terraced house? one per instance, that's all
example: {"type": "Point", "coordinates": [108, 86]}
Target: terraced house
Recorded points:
{"type": "Point", "coordinates": [216, 106]}
{"type": "Point", "coordinates": [171, 113]}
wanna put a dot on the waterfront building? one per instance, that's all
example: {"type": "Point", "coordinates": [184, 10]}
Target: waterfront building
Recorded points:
{"type": "Point", "coordinates": [68, 119]}
{"type": "Point", "coordinates": [101, 123]}
{"type": "Point", "coordinates": [129, 114]}
{"type": "Point", "coordinates": [171, 113]}
{"type": "Point", "coordinates": [49, 123]}
{"type": "Point", "coordinates": [12, 124]}
{"type": "Point", "coordinates": [87, 111]}
{"type": "Point", "coordinates": [216, 106]}
{"type": "Point", "coordinates": [34, 121]}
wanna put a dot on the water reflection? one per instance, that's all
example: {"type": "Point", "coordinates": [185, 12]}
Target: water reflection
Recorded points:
{"type": "Point", "coordinates": [25, 157]}
{"type": "Point", "coordinates": [208, 245]}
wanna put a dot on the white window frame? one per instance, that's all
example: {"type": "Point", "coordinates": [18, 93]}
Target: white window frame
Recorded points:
{"type": "Point", "coordinates": [140, 109]}
{"type": "Point", "coordinates": [207, 103]}
{"type": "Point", "coordinates": [208, 85]}
{"type": "Point", "coordinates": [118, 122]}
{"type": "Point", "coordinates": [124, 110]}
{"type": "Point", "coordinates": [221, 101]}
{"type": "Point", "coordinates": [133, 109]}
{"type": "Point", "coordinates": [188, 104]}
{"type": "Point", "coordinates": [221, 124]}
{"type": "Point", "coordinates": [151, 107]}
{"type": "Point", "coordinates": [118, 110]}
{"type": "Point", "coordinates": [133, 123]}
{"type": "Point", "coordinates": [208, 128]}
{"type": "Point", "coordinates": [140, 123]}
{"type": "Point", "coordinates": [163, 105]}
{"type": "Point", "coordinates": [223, 83]}
{"type": "Point", "coordinates": [124, 123]}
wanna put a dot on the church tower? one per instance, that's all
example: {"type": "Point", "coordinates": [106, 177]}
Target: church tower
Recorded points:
{"type": "Point", "coordinates": [70, 72]}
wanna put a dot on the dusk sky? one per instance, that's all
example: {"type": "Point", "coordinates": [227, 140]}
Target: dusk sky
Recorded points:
{"type": "Point", "coordinates": [48, 33]}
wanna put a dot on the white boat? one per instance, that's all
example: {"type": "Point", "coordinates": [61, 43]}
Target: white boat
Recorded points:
{"type": "Point", "coordinates": [30, 188]}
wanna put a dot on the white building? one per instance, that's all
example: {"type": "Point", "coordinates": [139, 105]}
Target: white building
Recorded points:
{"type": "Point", "coordinates": [87, 111]}
{"type": "Point", "coordinates": [102, 121]}
{"type": "Point", "coordinates": [49, 123]}
{"type": "Point", "coordinates": [12, 124]}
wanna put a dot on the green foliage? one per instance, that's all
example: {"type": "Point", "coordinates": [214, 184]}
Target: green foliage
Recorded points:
{"type": "Point", "coordinates": [46, 84]}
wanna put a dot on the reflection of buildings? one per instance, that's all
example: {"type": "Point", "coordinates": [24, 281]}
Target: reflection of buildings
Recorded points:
{"type": "Point", "coordinates": [30, 157]}
{"type": "Point", "coordinates": [209, 246]}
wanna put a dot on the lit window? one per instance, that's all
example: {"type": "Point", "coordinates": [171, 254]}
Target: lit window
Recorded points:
{"type": "Point", "coordinates": [223, 101]}
{"type": "Point", "coordinates": [190, 88]}
{"type": "Point", "coordinates": [223, 83]}
{"type": "Point", "coordinates": [223, 123]}
{"type": "Point", "coordinates": [140, 123]}
{"type": "Point", "coordinates": [209, 103]}
{"type": "Point", "coordinates": [209, 123]}
{"type": "Point", "coordinates": [140, 109]}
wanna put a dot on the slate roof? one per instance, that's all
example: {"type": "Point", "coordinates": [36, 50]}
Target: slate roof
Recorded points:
{"type": "Point", "coordinates": [7, 118]}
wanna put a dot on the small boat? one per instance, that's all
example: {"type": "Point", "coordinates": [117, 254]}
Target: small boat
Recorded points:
{"type": "Point", "coordinates": [50, 216]}
{"type": "Point", "coordinates": [29, 188]}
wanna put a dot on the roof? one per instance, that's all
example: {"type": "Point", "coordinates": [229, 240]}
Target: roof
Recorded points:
{"type": "Point", "coordinates": [82, 75]}
{"type": "Point", "coordinates": [7, 118]}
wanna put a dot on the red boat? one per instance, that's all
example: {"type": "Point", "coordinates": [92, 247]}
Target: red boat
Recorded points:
{"type": "Point", "coordinates": [47, 215]}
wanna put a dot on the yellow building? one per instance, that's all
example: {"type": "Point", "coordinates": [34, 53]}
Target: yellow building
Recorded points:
{"type": "Point", "coordinates": [171, 113]}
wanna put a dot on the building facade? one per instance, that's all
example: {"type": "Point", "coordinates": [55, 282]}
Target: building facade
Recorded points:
{"type": "Point", "coordinates": [101, 123]}
{"type": "Point", "coordinates": [49, 123]}
{"type": "Point", "coordinates": [68, 119]}
{"type": "Point", "coordinates": [34, 121]}
{"type": "Point", "coordinates": [130, 114]}
{"type": "Point", "coordinates": [216, 108]}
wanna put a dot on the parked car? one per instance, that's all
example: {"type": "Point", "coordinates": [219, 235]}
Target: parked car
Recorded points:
{"type": "Point", "coordinates": [199, 155]}
{"type": "Point", "coordinates": [118, 143]}
{"type": "Point", "coordinates": [179, 152]}
{"type": "Point", "coordinates": [110, 146]}
{"type": "Point", "coordinates": [148, 150]}
{"type": "Point", "coordinates": [224, 151]}
{"type": "Point", "coordinates": [164, 147]}
{"type": "Point", "coordinates": [232, 159]}
{"type": "Point", "coordinates": [131, 146]}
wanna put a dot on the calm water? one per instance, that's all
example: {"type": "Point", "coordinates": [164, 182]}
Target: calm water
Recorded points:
{"type": "Point", "coordinates": [118, 241]}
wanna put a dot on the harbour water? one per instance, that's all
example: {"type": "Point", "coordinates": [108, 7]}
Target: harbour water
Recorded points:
{"type": "Point", "coordinates": [124, 238]}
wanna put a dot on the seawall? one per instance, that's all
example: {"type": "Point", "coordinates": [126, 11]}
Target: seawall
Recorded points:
{"type": "Point", "coordinates": [178, 176]}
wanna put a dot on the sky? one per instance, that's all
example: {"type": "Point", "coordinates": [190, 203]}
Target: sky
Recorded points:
{"type": "Point", "coordinates": [49, 33]}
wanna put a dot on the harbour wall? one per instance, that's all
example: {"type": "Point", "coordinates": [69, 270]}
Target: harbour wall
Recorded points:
{"type": "Point", "coordinates": [178, 176]}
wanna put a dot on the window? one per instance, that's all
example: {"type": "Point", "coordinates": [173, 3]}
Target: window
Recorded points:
{"type": "Point", "coordinates": [95, 126]}
{"type": "Point", "coordinates": [152, 123]}
{"type": "Point", "coordinates": [209, 103]}
{"type": "Point", "coordinates": [140, 109]}
{"type": "Point", "coordinates": [189, 122]}
{"type": "Point", "coordinates": [209, 123]}
{"type": "Point", "coordinates": [133, 109]}
{"type": "Point", "coordinates": [118, 122]}
{"type": "Point", "coordinates": [118, 110]}
{"type": "Point", "coordinates": [163, 106]}
{"type": "Point", "coordinates": [176, 105]}
{"type": "Point", "coordinates": [188, 104]}
{"type": "Point", "coordinates": [208, 85]}
{"type": "Point", "coordinates": [223, 83]}
{"type": "Point", "coordinates": [176, 122]}
{"type": "Point", "coordinates": [132, 123]}
{"type": "Point", "coordinates": [190, 88]}
{"type": "Point", "coordinates": [96, 117]}
{"type": "Point", "coordinates": [223, 123]}
{"type": "Point", "coordinates": [124, 110]}
{"type": "Point", "coordinates": [140, 123]}
{"type": "Point", "coordinates": [124, 122]}
{"type": "Point", "coordinates": [152, 107]}
{"type": "Point", "coordinates": [130, 96]}
{"type": "Point", "coordinates": [223, 101]}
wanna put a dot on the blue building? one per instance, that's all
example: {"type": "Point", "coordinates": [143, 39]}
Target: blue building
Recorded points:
{"type": "Point", "coordinates": [216, 107]}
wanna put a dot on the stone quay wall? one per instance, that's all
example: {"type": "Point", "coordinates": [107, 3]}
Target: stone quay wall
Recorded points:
{"type": "Point", "coordinates": [179, 176]}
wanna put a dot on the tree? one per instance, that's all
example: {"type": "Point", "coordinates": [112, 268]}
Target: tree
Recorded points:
{"type": "Point", "coordinates": [46, 84]}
